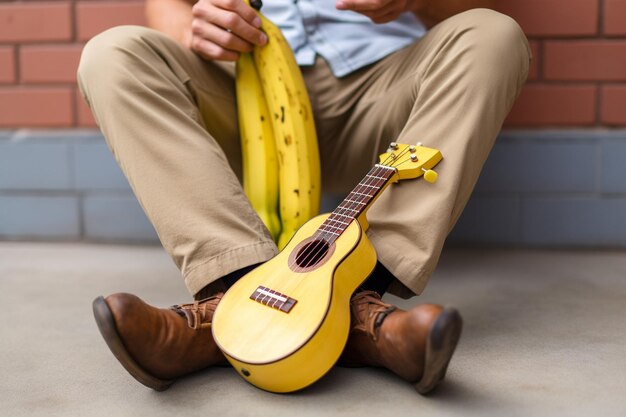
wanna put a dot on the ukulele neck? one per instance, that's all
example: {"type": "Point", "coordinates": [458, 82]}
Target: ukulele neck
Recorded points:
{"type": "Point", "coordinates": [355, 205]}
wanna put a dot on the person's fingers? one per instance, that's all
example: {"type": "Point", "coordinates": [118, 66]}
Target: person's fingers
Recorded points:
{"type": "Point", "coordinates": [242, 9]}
{"type": "Point", "coordinates": [211, 51]}
{"type": "Point", "coordinates": [362, 5]}
{"type": "Point", "coordinates": [219, 36]}
{"type": "Point", "coordinates": [230, 21]}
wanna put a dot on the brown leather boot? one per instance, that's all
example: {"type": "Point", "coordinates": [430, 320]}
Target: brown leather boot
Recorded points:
{"type": "Point", "coordinates": [155, 345]}
{"type": "Point", "coordinates": [416, 344]}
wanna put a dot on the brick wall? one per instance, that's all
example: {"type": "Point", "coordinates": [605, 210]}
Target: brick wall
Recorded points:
{"type": "Point", "coordinates": [40, 45]}
{"type": "Point", "coordinates": [555, 178]}
{"type": "Point", "coordinates": [578, 78]}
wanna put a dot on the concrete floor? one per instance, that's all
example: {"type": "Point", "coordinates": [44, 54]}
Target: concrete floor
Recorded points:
{"type": "Point", "coordinates": [545, 335]}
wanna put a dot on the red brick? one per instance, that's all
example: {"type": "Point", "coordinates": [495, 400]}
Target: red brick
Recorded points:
{"type": "Point", "coordinates": [553, 17]}
{"type": "Point", "coordinates": [613, 108]}
{"type": "Point", "coordinates": [7, 65]}
{"type": "Point", "coordinates": [533, 71]}
{"type": "Point", "coordinates": [554, 105]}
{"type": "Point", "coordinates": [95, 17]}
{"type": "Point", "coordinates": [35, 21]}
{"type": "Point", "coordinates": [49, 64]}
{"type": "Point", "coordinates": [585, 60]}
{"type": "Point", "coordinates": [615, 17]}
{"type": "Point", "coordinates": [85, 119]}
{"type": "Point", "coordinates": [35, 107]}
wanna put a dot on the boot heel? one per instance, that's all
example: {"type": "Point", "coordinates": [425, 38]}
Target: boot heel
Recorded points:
{"type": "Point", "coordinates": [442, 341]}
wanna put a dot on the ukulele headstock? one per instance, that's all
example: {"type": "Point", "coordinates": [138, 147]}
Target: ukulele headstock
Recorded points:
{"type": "Point", "coordinates": [412, 161]}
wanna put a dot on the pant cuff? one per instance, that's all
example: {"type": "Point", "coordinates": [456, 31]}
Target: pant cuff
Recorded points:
{"type": "Point", "coordinates": [411, 277]}
{"type": "Point", "coordinates": [219, 265]}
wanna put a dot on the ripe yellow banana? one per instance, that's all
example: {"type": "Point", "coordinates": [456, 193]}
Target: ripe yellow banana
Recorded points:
{"type": "Point", "coordinates": [260, 166]}
{"type": "Point", "coordinates": [294, 131]}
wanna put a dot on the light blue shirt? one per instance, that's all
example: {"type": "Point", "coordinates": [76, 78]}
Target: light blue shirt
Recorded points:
{"type": "Point", "coordinates": [345, 39]}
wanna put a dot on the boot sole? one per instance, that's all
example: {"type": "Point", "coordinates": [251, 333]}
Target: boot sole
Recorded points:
{"type": "Point", "coordinates": [442, 340]}
{"type": "Point", "coordinates": [108, 330]}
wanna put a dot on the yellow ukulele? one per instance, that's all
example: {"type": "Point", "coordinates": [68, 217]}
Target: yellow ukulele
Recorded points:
{"type": "Point", "coordinates": [284, 325]}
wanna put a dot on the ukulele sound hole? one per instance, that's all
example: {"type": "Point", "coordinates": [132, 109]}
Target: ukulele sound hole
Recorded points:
{"type": "Point", "coordinates": [312, 253]}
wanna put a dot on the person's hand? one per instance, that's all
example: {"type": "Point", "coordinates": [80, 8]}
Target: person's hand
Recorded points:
{"type": "Point", "coordinates": [379, 11]}
{"type": "Point", "coordinates": [222, 29]}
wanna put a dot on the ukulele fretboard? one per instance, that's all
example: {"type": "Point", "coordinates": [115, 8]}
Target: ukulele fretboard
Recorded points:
{"type": "Point", "coordinates": [356, 202]}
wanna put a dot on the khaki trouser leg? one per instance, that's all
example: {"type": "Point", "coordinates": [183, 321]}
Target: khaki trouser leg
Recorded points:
{"type": "Point", "coordinates": [170, 120]}
{"type": "Point", "coordinates": [451, 91]}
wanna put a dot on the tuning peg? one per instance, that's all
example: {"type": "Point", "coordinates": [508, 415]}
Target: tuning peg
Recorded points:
{"type": "Point", "coordinates": [430, 175]}
{"type": "Point", "coordinates": [419, 144]}
{"type": "Point", "coordinates": [393, 145]}
{"type": "Point", "coordinates": [412, 149]}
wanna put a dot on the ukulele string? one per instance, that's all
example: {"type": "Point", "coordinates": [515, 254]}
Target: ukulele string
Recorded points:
{"type": "Point", "coordinates": [403, 162]}
{"type": "Point", "coordinates": [319, 244]}
{"type": "Point", "coordinates": [316, 250]}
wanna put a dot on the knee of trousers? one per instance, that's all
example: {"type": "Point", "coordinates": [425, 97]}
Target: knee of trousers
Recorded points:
{"type": "Point", "coordinates": [109, 58]}
{"type": "Point", "coordinates": [495, 41]}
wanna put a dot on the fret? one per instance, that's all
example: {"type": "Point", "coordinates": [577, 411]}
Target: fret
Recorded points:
{"type": "Point", "coordinates": [386, 167]}
{"type": "Point", "coordinates": [347, 208]}
{"type": "Point", "coordinates": [335, 220]}
{"type": "Point", "coordinates": [352, 201]}
{"type": "Point", "coordinates": [321, 234]}
{"type": "Point", "coordinates": [377, 177]}
{"type": "Point", "coordinates": [339, 225]}
{"type": "Point", "coordinates": [366, 195]}
{"type": "Point", "coordinates": [373, 178]}
{"type": "Point", "coordinates": [334, 227]}
{"type": "Point", "coordinates": [357, 200]}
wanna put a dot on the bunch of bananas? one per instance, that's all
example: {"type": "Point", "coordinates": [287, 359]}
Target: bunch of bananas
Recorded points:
{"type": "Point", "coordinates": [281, 166]}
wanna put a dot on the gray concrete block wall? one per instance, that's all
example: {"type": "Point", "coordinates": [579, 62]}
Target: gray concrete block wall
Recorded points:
{"type": "Point", "coordinates": [28, 165]}
{"type": "Point", "coordinates": [524, 166]}
{"type": "Point", "coordinates": [538, 188]}
{"type": "Point", "coordinates": [612, 167]}
{"type": "Point", "coordinates": [113, 217]}
{"type": "Point", "coordinates": [562, 188]}
{"type": "Point", "coordinates": [95, 169]}
{"type": "Point", "coordinates": [490, 219]}
{"type": "Point", "coordinates": [40, 217]}
{"type": "Point", "coordinates": [65, 185]}
{"type": "Point", "coordinates": [573, 221]}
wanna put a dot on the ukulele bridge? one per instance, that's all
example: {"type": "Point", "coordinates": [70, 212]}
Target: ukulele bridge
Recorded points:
{"type": "Point", "coordinates": [273, 299]}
